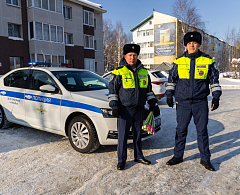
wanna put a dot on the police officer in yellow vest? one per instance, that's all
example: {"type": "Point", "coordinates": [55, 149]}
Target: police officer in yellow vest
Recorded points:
{"type": "Point", "coordinates": [189, 81]}
{"type": "Point", "coordinates": [129, 88]}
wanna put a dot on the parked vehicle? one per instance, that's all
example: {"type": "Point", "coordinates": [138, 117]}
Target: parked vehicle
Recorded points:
{"type": "Point", "coordinates": [159, 82]}
{"type": "Point", "coordinates": [66, 101]}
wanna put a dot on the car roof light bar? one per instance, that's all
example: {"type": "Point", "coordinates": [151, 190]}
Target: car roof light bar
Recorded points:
{"type": "Point", "coordinates": [47, 64]}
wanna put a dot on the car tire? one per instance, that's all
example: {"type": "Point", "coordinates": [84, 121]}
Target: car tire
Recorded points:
{"type": "Point", "coordinates": [82, 135]}
{"type": "Point", "coordinates": [3, 119]}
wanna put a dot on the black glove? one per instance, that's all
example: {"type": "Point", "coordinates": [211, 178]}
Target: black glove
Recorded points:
{"type": "Point", "coordinates": [115, 113]}
{"type": "Point", "coordinates": [215, 104]}
{"type": "Point", "coordinates": [170, 102]}
{"type": "Point", "coordinates": [155, 109]}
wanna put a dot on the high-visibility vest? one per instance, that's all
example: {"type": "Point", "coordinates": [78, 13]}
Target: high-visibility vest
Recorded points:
{"type": "Point", "coordinates": [128, 78]}
{"type": "Point", "coordinates": [201, 67]}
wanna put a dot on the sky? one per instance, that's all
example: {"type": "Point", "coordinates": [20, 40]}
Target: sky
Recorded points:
{"type": "Point", "coordinates": [220, 16]}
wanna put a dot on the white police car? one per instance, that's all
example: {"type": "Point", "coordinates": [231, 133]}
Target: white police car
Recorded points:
{"type": "Point", "coordinates": [66, 101]}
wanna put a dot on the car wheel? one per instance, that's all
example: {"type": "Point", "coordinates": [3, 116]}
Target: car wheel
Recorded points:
{"type": "Point", "coordinates": [82, 135]}
{"type": "Point", "coordinates": [3, 119]}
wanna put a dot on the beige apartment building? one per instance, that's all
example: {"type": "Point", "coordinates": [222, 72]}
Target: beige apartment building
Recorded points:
{"type": "Point", "coordinates": [161, 39]}
{"type": "Point", "coordinates": [56, 31]}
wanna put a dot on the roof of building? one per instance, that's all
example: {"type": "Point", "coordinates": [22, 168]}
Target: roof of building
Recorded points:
{"type": "Point", "coordinates": [90, 4]}
{"type": "Point", "coordinates": [141, 23]}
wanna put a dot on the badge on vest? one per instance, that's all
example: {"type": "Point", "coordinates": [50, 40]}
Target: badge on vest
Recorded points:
{"type": "Point", "coordinates": [144, 82]}
{"type": "Point", "coordinates": [200, 73]}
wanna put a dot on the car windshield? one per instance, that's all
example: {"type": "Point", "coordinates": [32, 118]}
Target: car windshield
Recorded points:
{"type": "Point", "coordinates": [80, 80]}
{"type": "Point", "coordinates": [158, 74]}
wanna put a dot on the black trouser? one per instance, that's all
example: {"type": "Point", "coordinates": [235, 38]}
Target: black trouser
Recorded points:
{"type": "Point", "coordinates": [130, 117]}
{"type": "Point", "coordinates": [199, 111]}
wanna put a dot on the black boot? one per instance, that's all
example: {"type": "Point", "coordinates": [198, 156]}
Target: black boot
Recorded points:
{"type": "Point", "coordinates": [174, 161]}
{"type": "Point", "coordinates": [208, 165]}
{"type": "Point", "coordinates": [143, 161]}
{"type": "Point", "coordinates": [121, 165]}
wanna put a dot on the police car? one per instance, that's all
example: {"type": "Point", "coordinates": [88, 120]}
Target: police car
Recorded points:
{"type": "Point", "coordinates": [66, 101]}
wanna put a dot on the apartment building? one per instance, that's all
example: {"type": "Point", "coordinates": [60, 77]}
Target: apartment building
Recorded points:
{"type": "Point", "coordinates": [161, 39]}
{"type": "Point", "coordinates": [143, 36]}
{"type": "Point", "coordinates": [57, 31]}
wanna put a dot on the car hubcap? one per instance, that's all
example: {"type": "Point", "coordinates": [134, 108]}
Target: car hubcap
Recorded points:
{"type": "Point", "coordinates": [80, 135]}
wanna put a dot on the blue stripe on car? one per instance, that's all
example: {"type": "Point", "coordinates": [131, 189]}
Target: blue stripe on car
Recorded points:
{"type": "Point", "coordinates": [49, 100]}
{"type": "Point", "coordinates": [72, 104]}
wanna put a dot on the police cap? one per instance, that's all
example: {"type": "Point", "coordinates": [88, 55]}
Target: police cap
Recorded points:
{"type": "Point", "coordinates": [131, 48]}
{"type": "Point", "coordinates": [192, 36]}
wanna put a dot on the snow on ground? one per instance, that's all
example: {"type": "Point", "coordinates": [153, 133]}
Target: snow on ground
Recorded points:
{"type": "Point", "coordinates": [37, 162]}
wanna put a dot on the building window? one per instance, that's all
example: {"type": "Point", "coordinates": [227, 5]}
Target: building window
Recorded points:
{"type": "Point", "coordinates": [14, 30]}
{"type": "Point", "coordinates": [29, 3]}
{"type": "Point", "coordinates": [53, 33]}
{"type": "Point", "coordinates": [12, 2]}
{"type": "Point", "coordinates": [89, 64]}
{"type": "Point", "coordinates": [59, 6]}
{"type": "Point", "coordinates": [46, 32]}
{"type": "Point", "coordinates": [95, 24]}
{"type": "Point", "coordinates": [39, 33]}
{"type": "Point", "coordinates": [15, 62]}
{"type": "Point", "coordinates": [47, 58]}
{"type": "Point", "coordinates": [88, 41]}
{"type": "Point", "coordinates": [61, 59]}
{"type": "Point", "coordinates": [45, 4]}
{"type": "Point", "coordinates": [68, 38]}
{"type": "Point", "coordinates": [46, 36]}
{"type": "Point", "coordinates": [67, 12]}
{"type": "Point", "coordinates": [54, 59]}
{"type": "Point", "coordinates": [52, 5]}
{"type": "Point", "coordinates": [37, 3]}
{"type": "Point", "coordinates": [59, 34]}
{"type": "Point", "coordinates": [145, 33]}
{"type": "Point", "coordinates": [88, 18]}
{"type": "Point", "coordinates": [95, 44]}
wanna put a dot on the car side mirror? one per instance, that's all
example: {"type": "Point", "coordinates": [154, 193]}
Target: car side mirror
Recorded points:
{"type": "Point", "coordinates": [47, 88]}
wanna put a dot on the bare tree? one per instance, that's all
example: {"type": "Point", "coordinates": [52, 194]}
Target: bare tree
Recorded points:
{"type": "Point", "coordinates": [113, 40]}
{"type": "Point", "coordinates": [188, 15]}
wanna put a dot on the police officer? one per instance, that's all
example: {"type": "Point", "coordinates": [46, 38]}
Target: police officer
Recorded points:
{"type": "Point", "coordinates": [189, 81]}
{"type": "Point", "coordinates": [129, 88]}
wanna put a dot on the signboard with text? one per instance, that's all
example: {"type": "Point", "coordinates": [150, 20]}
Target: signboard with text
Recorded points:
{"type": "Point", "coordinates": [164, 39]}
{"type": "Point", "coordinates": [163, 50]}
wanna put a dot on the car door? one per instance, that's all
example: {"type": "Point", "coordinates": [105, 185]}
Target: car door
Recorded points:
{"type": "Point", "coordinates": [12, 93]}
{"type": "Point", "coordinates": [42, 108]}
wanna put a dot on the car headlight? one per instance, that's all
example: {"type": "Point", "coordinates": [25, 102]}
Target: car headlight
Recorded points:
{"type": "Point", "coordinates": [107, 113]}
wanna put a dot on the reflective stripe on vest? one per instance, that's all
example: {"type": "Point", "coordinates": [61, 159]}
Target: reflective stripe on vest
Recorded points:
{"type": "Point", "coordinates": [128, 78]}
{"type": "Point", "coordinates": [201, 67]}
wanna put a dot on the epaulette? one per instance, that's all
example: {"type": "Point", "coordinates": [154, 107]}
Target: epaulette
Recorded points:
{"type": "Point", "coordinates": [119, 67]}
{"type": "Point", "coordinates": [208, 56]}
